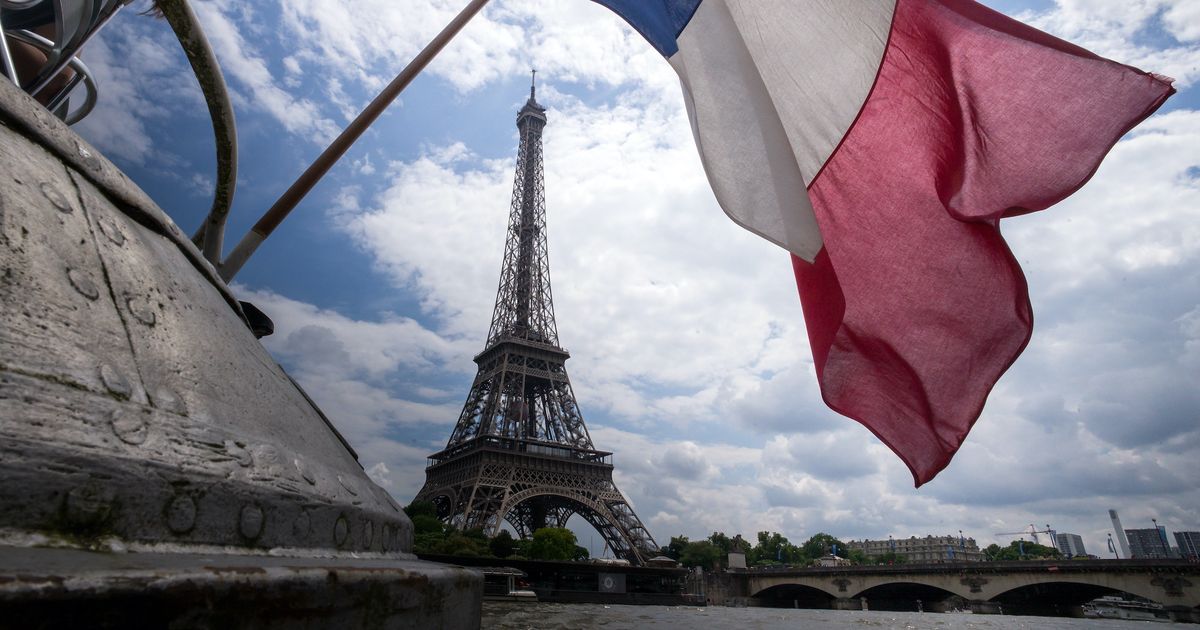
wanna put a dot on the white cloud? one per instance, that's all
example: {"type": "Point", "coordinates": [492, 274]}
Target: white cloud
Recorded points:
{"type": "Point", "coordinates": [1183, 20]}
{"type": "Point", "coordinates": [253, 81]}
{"type": "Point", "coordinates": [679, 320]}
{"type": "Point", "coordinates": [1117, 29]}
{"type": "Point", "coordinates": [690, 359]}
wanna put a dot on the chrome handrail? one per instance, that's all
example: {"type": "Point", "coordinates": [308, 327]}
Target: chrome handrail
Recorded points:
{"type": "Point", "coordinates": [82, 75]}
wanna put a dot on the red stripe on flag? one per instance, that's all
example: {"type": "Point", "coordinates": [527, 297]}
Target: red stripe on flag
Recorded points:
{"type": "Point", "coordinates": [916, 306]}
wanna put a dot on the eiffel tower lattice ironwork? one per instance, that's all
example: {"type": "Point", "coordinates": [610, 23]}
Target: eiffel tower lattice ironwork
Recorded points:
{"type": "Point", "coordinates": [520, 451]}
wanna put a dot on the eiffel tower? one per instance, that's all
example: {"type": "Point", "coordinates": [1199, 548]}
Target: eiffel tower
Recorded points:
{"type": "Point", "coordinates": [520, 451]}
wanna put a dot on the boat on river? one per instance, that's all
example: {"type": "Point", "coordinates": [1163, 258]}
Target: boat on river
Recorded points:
{"type": "Point", "coordinates": [1115, 607]}
{"type": "Point", "coordinates": [506, 584]}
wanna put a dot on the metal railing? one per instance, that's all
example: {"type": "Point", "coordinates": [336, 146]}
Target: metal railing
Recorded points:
{"type": "Point", "coordinates": [542, 449]}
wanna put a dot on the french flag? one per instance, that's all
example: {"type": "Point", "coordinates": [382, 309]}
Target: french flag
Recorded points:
{"type": "Point", "coordinates": [881, 142]}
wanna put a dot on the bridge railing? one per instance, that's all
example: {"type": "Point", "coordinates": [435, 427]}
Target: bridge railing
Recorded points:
{"type": "Point", "coordinates": [1008, 566]}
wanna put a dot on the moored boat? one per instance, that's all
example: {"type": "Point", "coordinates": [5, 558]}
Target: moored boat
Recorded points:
{"type": "Point", "coordinates": [506, 584]}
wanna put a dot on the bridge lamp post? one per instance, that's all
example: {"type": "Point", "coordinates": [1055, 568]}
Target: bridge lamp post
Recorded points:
{"type": "Point", "coordinates": [1162, 538]}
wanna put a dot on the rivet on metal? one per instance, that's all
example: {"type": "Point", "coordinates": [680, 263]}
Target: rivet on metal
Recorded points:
{"type": "Point", "coordinates": [239, 454]}
{"type": "Point", "coordinates": [396, 531]}
{"type": "Point", "coordinates": [166, 399]}
{"type": "Point", "coordinates": [346, 484]}
{"type": "Point", "coordinates": [305, 472]}
{"type": "Point", "coordinates": [251, 521]}
{"type": "Point", "coordinates": [368, 535]}
{"type": "Point", "coordinates": [128, 426]}
{"type": "Point", "coordinates": [301, 526]}
{"type": "Point", "coordinates": [115, 382]}
{"type": "Point", "coordinates": [56, 198]}
{"type": "Point", "coordinates": [341, 531]}
{"type": "Point", "coordinates": [88, 505]}
{"type": "Point", "coordinates": [181, 514]}
{"type": "Point", "coordinates": [142, 310]}
{"type": "Point", "coordinates": [266, 461]}
{"type": "Point", "coordinates": [83, 284]}
{"type": "Point", "coordinates": [110, 229]}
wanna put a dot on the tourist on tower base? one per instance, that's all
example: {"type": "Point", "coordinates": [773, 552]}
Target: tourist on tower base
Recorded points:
{"type": "Point", "coordinates": [881, 142]}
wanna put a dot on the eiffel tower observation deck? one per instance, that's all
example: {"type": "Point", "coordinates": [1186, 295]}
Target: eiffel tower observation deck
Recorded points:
{"type": "Point", "coordinates": [520, 451]}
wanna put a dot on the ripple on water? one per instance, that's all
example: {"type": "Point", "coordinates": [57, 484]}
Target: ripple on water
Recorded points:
{"type": "Point", "coordinates": [545, 616]}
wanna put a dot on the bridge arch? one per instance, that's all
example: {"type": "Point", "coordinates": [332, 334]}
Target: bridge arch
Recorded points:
{"type": "Point", "coordinates": [911, 596]}
{"type": "Point", "coordinates": [1065, 596]}
{"type": "Point", "coordinates": [1174, 584]}
{"type": "Point", "coordinates": [795, 596]}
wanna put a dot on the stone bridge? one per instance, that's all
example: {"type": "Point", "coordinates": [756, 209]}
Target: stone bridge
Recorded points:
{"type": "Point", "coordinates": [1041, 587]}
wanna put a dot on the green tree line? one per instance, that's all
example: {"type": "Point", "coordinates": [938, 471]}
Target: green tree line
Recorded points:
{"type": "Point", "coordinates": [430, 535]}
{"type": "Point", "coordinates": [774, 549]}
{"type": "Point", "coordinates": [771, 549]}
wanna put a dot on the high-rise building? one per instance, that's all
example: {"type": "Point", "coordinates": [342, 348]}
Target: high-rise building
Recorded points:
{"type": "Point", "coordinates": [1148, 543]}
{"type": "Point", "coordinates": [1069, 545]}
{"type": "Point", "coordinates": [1189, 544]}
{"type": "Point", "coordinates": [520, 451]}
{"type": "Point", "coordinates": [1121, 540]}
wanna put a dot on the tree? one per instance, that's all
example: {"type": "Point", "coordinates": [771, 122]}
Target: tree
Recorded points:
{"type": "Point", "coordinates": [502, 545]}
{"type": "Point", "coordinates": [426, 524]}
{"type": "Point", "coordinates": [722, 542]}
{"type": "Point", "coordinates": [458, 543]}
{"type": "Point", "coordinates": [774, 548]}
{"type": "Point", "coordinates": [1021, 550]}
{"type": "Point", "coordinates": [675, 548]}
{"type": "Point", "coordinates": [823, 544]}
{"type": "Point", "coordinates": [553, 543]}
{"type": "Point", "coordinates": [701, 553]}
{"type": "Point", "coordinates": [892, 557]}
{"type": "Point", "coordinates": [417, 508]}
{"type": "Point", "coordinates": [428, 542]}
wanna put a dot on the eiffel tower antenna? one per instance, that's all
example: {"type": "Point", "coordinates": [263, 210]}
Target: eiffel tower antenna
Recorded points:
{"type": "Point", "coordinates": [520, 451]}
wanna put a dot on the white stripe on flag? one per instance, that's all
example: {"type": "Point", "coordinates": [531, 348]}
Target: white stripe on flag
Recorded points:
{"type": "Point", "coordinates": [771, 87]}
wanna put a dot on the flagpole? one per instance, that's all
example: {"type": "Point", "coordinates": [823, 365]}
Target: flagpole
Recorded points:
{"type": "Point", "coordinates": [290, 198]}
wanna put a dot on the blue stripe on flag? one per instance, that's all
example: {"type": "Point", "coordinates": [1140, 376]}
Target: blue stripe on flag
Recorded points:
{"type": "Point", "coordinates": [659, 21]}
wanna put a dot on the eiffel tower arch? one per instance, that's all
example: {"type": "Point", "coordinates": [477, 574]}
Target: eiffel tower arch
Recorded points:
{"type": "Point", "coordinates": [520, 451]}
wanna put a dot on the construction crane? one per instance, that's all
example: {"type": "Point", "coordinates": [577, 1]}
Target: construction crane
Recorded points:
{"type": "Point", "coordinates": [1033, 531]}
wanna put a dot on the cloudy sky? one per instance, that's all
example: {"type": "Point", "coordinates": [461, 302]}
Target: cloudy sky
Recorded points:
{"type": "Point", "coordinates": [690, 358]}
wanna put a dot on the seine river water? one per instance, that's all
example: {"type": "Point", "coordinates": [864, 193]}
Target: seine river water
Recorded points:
{"type": "Point", "coordinates": [538, 616]}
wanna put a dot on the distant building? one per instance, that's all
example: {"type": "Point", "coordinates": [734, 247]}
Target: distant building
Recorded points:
{"type": "Point", "coordinates": [929, 549]}
{"type": "Point", "coordinates": [831, 561]}
{"type": "Point", "coordinates": [1069, 545]}
{"type": "Point", "coordinates": [1148, 543]}
{"type": "Point", "coordinates": [1189, 544]}
{"type": "Point", "coordinates": [1120, 532]}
